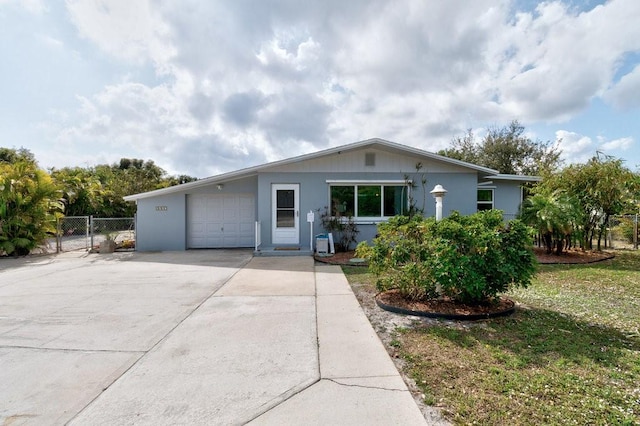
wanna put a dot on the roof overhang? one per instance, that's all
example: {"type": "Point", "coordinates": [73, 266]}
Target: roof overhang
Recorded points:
{"type": "Point", "coordinates": [375, 143]}
{"type": "Point", "coordinates": [514, 178]}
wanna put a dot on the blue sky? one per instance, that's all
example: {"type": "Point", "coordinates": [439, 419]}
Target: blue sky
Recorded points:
{"type": "Point", "coordinates": [208, 87]}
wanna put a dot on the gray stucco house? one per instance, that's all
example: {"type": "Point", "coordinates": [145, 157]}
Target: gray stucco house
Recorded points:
{"type": "Point", "coordinates": [267, 207]}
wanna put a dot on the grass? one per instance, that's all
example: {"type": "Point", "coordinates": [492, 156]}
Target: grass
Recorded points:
{"type": "Point", "coordinates": [569, 355]}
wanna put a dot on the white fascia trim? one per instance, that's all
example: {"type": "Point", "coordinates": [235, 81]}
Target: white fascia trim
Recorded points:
{"type": "Point", "coordinates": [375, 181]}
{"type": "Point", "coordinates": [518, 178]}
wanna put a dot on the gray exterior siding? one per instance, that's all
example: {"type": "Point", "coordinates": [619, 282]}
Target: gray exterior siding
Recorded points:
{"type": "Point", "coordinates": [160, 229]}
{"type": "Point", "coordinates": [167, 229]}
{"type": "Point", "coordinates": [162, 218]}
{"type": "Point", "coordinates": [507, 197]}
{"type": "Point", "coordinates": [314, 196]}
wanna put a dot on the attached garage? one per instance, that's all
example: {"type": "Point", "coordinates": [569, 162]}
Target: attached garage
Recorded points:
{"type": "Point", "coordinates": [220, 220]}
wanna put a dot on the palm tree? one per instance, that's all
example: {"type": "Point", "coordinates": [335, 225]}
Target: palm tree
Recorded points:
{"type": "Point", "coordinates": [29, 206]}
{"type": "Point", "coordinates": [554, 215]}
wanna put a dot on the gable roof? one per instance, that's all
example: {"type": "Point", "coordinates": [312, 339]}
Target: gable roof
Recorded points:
{"type": "Point", "coordinates": [377, 143]}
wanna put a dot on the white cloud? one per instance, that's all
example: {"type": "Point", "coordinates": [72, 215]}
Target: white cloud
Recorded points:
{"type": "Point", "coordinates": [626, 93]}
{"type": "Point", "coordinates": [36, 7]}
{"type": "Point", "coordinates": [249, 82]}
{"type": "Point", "coordinates": [577, 148]}
{"type": "Point", "coordinates": [563, 59]}
{"type": "Point", "coordinates": [127, 30]}
{"type": "Point", "coordinates": [621, 144]}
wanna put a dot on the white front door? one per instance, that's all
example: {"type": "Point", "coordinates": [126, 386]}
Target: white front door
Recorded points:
{"type": "Point", "coordinates": [285, 216]}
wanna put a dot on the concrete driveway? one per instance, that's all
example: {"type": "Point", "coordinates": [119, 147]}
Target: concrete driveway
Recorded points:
{"type": "Point", "coordinates": [198, 337]}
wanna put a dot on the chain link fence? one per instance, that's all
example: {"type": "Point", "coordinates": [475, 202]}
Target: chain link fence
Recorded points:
{"type": "Point", "coordinates": [121, 230]}
{"type": "Point", "coordinates": [87, 232]}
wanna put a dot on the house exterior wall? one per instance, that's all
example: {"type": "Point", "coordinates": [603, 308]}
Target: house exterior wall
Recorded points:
{"type": "Point", "coordinates": [354, 161]}
{"type": "Point", "coordinates": [160, 223]}
{"type": "Point", "coordinates": [314, 196]}
{"type": "Point", "coordinates": [247, 185]}
{"type": "Point", "coordinates": [166, 229]}
{"type": "Point", "coordinates": [162, 219]}
{"type": "Point", "coordinates": [507, 197]}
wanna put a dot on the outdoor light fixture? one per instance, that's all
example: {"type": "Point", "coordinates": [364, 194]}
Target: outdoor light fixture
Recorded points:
{"type": "Point", "coordinates": [438, 193]}
{"type": "Point", "coordinates": [220, 186]}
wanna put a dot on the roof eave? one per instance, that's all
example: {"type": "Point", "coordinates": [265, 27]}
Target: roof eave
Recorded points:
{"type": "Point", "coordinates": [329, 151]}
{"type": "Point", "coordinates": [518, 178]}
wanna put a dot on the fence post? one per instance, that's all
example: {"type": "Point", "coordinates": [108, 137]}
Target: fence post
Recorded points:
{"type": "Point", "coordinates": [58, 235]}
{"type": "Point", "coordinates": [91, 227]}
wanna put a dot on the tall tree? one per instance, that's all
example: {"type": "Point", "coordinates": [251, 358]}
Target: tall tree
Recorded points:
{"type": "Point", "coordinates": [506, 149]}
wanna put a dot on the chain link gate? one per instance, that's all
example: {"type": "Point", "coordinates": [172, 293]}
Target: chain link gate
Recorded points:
{"type": "Point", "coordinates": [87, 232]}
{"type": "Point", "coordinates": [73, 233]}
{"type": "Point", "coordinates": [121, 230]}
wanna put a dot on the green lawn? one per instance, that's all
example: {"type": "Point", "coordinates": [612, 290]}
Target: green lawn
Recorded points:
{"type": "Point", "coordinates": [569, 355]}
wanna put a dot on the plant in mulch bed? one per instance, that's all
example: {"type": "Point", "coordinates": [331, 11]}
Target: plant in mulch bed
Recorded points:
{"type": "Point", "coordinates": [466, 259]}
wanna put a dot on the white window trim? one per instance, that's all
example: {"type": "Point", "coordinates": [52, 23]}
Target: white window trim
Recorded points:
{"type": "Point", "coordinates": [493, 196]}
{"type": "Point", "coordinates": [368, 182]}
{"type": "Point", "coordinates": [369, 220]}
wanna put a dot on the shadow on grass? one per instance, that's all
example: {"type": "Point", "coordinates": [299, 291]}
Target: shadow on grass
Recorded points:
{"type": "Point", "coordinates": [355, 270]}
{"type": "Point", "coordinates": [624, 260]}
{"type": "Point", "coordinates": [536, 337]}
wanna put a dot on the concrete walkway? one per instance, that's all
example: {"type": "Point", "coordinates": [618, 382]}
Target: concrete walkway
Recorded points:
{"type": "Point", "coordinates": [358, 383]}
{"type": "Point", "coordinates": [277, 340]}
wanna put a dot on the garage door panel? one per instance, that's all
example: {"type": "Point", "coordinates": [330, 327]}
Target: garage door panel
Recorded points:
{"type": "Point", "coordinates": [246, 228]}
{"type": "Point", "coordinates": [220, 220]}
{"type": "Point", "coordinates": [198, 227]}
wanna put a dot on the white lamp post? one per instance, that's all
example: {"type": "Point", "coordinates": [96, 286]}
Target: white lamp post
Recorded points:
{"type": "Point", "coordinates": [438, 193]}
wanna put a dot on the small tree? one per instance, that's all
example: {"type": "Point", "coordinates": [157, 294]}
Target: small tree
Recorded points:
{"type": "Point", "coordinates": [343, 228]}
{"type": "Point", "coordinates": [553, 216]}
{"type": "Point", "coordinates": [469, 259]}
{"type": "Point", "coordinates": [600, 188]}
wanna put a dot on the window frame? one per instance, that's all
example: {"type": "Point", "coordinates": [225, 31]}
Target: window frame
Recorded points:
{"type": "Point", "coordinates": [486, 203]}
{"type": "Point", "coordinates": [366, 183]}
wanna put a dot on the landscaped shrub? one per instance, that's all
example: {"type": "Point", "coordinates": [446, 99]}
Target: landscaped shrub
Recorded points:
{"type": "Point", "coordinates": [344, 229]}
{"type": "Point", "coordinates": [470, 259]}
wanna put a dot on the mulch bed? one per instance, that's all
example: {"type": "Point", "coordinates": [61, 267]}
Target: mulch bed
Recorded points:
{"type": "Point", "coordinates": [443, 308]}
{"type": "Point", "coordinates": [394, 302]}
{"type": "Point", "coordinates": [571, 256]}
{"type": "Point", "coordinates": [568, 257]}
{"type": "Point", "coordinates": [340, 258]}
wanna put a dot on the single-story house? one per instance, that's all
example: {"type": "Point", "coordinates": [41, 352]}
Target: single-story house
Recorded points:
{"type": "Point", "coordinates": [268, 207]}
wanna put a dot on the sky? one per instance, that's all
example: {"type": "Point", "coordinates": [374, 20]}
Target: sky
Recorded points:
{"type": "Point", "coordinates": [206, 87]}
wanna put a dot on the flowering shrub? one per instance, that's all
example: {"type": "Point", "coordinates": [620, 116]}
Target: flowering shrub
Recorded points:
{"type": "Point", "coordinates": [470, 259]}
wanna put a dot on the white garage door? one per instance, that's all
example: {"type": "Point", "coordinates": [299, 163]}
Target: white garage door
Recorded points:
{"type": "Point", "coordinates": [220, 220]}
